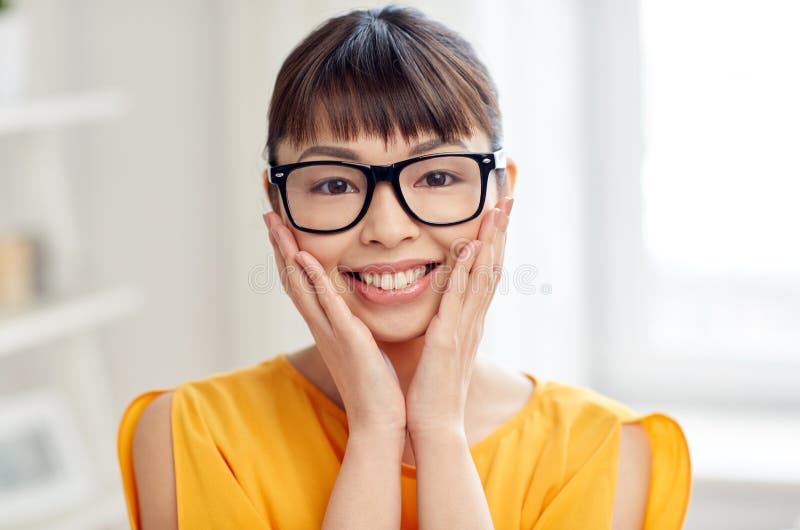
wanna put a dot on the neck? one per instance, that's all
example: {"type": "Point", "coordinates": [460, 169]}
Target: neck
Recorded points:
{"type": "Point", "coordinates": [404, 357]}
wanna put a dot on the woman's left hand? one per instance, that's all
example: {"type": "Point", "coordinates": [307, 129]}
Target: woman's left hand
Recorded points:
{"type": "Point", "coordinates": [437, 394]}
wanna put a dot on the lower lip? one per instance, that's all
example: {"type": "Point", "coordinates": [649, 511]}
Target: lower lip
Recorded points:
{"type": "Point", "coordinates": [393, 296]}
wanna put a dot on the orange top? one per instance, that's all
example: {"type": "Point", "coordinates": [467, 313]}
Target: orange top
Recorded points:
{"type": "Point", "coordinates": [260, 448]}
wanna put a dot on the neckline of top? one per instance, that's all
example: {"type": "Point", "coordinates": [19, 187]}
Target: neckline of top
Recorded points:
{"type": "Point", "coordinates": [474, 449]}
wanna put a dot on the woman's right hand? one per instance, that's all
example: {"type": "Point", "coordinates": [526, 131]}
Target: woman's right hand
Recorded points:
{"type": "Point", "coordinates": [371, 393]}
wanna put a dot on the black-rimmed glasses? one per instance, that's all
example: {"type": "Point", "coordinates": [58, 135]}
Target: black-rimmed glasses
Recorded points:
{"type": "Point", "coordinates": [441, 189]}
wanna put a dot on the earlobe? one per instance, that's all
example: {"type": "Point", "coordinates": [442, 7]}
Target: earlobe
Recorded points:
{"type": "Point", "coordinates": [265, 176]}
{"type": "Point", "coordinates": [511, 176]}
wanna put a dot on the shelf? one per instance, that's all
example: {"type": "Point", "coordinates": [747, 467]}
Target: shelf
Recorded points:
{"type": "Point", "coordinates": [48, 320]}
{"type": "Point", "coordinates": [60, 110]}
{"type": "Point", "coordinates": [105, 512]}
{"type": "Point", "coordinates": [108, 511]}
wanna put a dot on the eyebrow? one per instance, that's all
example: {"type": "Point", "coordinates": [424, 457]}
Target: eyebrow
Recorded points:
{"type": "Point", "coordinates": [349, 154]}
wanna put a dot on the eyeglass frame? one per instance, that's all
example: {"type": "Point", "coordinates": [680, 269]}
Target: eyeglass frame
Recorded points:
{"type": "Point", "coordinates": [375, 174]}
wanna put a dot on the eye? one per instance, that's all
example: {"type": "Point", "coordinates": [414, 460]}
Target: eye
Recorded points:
{"type": "Point", "coordinates": [437, 179]}
{"type": "Point", "coordinates": [334, 186]}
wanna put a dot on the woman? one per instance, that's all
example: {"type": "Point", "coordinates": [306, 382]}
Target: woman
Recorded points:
{"type": "Point", "coordinates": [390, 199]}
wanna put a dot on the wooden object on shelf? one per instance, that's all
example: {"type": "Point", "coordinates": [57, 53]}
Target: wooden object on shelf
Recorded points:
{"type": "Point", "coordinates": [18, 269]}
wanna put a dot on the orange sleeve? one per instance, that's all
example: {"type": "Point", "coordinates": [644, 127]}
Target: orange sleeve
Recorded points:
{"type": "Point", "coordinates": [586, 499]}
{"type": "Point", "coordinates": [125, 432]}
{"type": "Point", "coordinates": [208, 493]}
{"type": "Point", "coordinates": [671, 473]}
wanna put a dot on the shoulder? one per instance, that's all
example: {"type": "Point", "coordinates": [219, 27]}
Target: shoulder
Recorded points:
{"type": "Point", "coordinates": [592, 425]}
{"type": "Point", "coordinates": [586, 416]}
{"type": "Point", "coordinates": [647, 452]}
{"type": "Point", "coordinates": [633, 478]}
{"type": "Point", "coordinates": [577, 400]}
{"type": "Point", "coordinates": [241, 381]}
{"type": "Point", "coordinates": [228, 397]}
{"type": "Point", "coordinates": [600, 427]}
{"type": "Point", "coordinates": [153, 465]}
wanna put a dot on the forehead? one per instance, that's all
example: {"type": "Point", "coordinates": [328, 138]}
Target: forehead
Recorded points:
{"type": "Point", "coordinates": [370, 148]}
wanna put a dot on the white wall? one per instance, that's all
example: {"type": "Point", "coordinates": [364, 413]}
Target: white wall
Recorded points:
{"type": "Point", "coordinates": [153, 186]}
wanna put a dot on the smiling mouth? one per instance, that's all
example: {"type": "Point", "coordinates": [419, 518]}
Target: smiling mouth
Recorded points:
{"type": "Point", "coordinates": [393, 281]}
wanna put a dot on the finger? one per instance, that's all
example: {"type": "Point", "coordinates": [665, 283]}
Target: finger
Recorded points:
{"type": "Point", "coordinates": [334, 306]}
{"type": "Point", "coordinates": [270, 219]}
{"type": "Point", "coordinates": [487, 274]}
{"type": "Point", "coordinates": [288, 248]}
{"type": "Point", "coordinates": [296, 283]}
{"type": "Point", "coordinates": [483, 270]}
{"type": "Point", "coordinates": [457, 285]}
{"type": "Point", "coordinates": [280, 262]}
{"type": "Point", "coordinates": [285, 266]}
{"type": "Point", "coordinates": [498, 254]}
{"type": "Point", "coordinates": [500, 242]}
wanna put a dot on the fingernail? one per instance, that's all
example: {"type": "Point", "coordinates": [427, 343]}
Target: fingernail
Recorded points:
{"type": "Point", "coordinates": [510, 205]}
{"type": "Point", "coordinates": [300, 258]}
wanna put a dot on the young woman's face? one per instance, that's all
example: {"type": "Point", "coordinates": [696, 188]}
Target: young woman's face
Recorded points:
{"type": "Point", "coordinates": [387, 234]}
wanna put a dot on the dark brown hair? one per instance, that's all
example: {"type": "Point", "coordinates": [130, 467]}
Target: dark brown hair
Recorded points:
{"type": "Point", "coordinates": [378, 71]}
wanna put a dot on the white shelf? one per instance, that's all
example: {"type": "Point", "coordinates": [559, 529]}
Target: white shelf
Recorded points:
{"type": "Point", "coordinates": [60, 110]}
{"type": "Point", "coordinates": [49, 320]}
{"type": "Point", "coordinates": [102, 513]}
{"type": "Point", "coordinates": [108, 511]}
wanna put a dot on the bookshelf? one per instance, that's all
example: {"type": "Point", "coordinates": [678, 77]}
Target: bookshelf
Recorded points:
{"type": "Point", "coordinates": [64, 321]}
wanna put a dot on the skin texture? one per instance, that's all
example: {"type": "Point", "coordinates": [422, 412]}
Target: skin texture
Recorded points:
{"type": "Point", "coordinates": [445, 397]}
{"type": "Point", "coordinates": [153, 466]}
{"type": "Point", "coordinates": [633, 478]}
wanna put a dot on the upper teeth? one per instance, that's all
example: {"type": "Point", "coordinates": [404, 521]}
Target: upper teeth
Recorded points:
{"type": "Point", "coordinates": [397, 280]}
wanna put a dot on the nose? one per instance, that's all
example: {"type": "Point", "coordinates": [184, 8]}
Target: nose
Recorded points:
{"type": "Point", "coordinates": [386, 222]}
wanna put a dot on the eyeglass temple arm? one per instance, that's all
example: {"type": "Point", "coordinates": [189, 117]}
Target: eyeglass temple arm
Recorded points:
{"type": "Point", "coordinates": [500, 159]}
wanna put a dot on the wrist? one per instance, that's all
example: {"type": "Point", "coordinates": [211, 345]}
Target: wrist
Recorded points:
{"type": "Point", "coordinates": [443, 433]}
{"type": "Point", "coordinates": [387, 436]}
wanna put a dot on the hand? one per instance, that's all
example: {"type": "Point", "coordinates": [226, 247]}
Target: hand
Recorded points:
{"type": "Point", "coordinates": [370, 392]}
{"type": "Point", "coordinates": [437, 395]}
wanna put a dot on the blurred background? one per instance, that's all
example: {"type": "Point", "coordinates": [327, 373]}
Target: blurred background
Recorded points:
{"type": "Point", "coordinates": [653, 254]}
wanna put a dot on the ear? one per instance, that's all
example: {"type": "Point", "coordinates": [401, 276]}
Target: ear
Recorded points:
{"type": "Point", "coordinates": [265, 175]}
{"type": "Point", "coordinates": [274, 198]}
{"type": "Point", "coordinates": [511, 177]}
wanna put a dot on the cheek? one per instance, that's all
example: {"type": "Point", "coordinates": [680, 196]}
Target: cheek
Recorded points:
{"type": "Point", "coordinates": [328, 249]}
{"type": "Point", "coordinates": [454, 237]}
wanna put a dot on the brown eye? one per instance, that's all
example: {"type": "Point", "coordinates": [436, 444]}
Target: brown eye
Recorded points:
{"type": "Point", "coordinates": [436, 179]}
{"type": "Point", "coordinates": [334, 187]}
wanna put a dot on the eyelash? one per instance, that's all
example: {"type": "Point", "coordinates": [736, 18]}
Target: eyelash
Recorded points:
{"type": "Point", "coordinates": [321, 184]}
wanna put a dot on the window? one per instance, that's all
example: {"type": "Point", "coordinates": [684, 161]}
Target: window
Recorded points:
{"type": "Point", "coordinates": [701, 291]}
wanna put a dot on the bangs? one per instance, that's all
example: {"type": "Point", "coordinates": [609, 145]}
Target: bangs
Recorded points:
{"type": "Point", "coordinates": [374, 74]}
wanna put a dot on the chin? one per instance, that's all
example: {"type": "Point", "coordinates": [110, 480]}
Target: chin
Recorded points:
{"type": "Point", "coordinates": [393, 330]}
